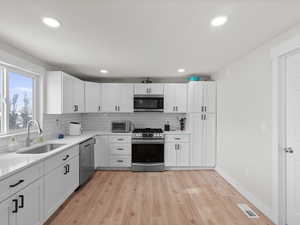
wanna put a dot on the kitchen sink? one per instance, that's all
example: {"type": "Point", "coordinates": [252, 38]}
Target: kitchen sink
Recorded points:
{"type": "Point", "coordinates": [41, 149]}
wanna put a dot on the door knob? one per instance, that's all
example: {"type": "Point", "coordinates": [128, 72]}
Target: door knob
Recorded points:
{"type": "Point", "coordinates": [289, 150]}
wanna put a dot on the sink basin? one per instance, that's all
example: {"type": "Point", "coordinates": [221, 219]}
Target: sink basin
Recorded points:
{"type": "Point", "coordinates": [41, 149]}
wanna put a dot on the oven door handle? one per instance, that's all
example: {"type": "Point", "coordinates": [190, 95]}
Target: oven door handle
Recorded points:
{"type": "Point", "coordinates": [148, 142]}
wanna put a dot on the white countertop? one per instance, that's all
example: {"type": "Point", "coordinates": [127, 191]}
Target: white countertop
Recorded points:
{"type": "Point", "coordinates": [12, 162]}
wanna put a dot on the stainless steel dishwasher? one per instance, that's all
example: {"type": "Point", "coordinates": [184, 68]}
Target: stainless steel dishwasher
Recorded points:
{"type": "Point", "coordinates": [86, 160]}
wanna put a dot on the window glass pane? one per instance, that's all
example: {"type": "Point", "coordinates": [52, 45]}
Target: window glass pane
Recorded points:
{"type": "Point", "coordinates": [21, 99]}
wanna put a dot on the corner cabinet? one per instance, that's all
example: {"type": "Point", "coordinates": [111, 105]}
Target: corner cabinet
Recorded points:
{"type": "Point", "coordinates": [117, 98]}
{"type": "Point", "coordinates": [65, 93]}
{"type": "Point", "coordinates": [175, 98]}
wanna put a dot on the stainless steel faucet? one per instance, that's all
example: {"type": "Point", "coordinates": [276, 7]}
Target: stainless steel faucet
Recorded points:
{"type": "Point", "coordinates": [30, 123]}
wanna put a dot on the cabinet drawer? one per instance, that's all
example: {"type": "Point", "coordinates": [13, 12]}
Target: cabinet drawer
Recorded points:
{"type": "Point", "coordinates": [120, 149]}
{"type": "Point", "coordinates": [14, 183]}
{"type": "Point", "coordinates": [177, 138]}
{"type": "Point", "coordinates": [61, 158]}
{"type": "Point", "coordinates": [120, 161]}
{"type": "Point", "coordinates": [120, 139]}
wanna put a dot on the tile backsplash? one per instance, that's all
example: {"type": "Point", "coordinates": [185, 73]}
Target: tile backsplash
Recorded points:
{"type": "Point", "coordinates": [94, 121]}
{"type": "Point", "coordinates": [55, 124]}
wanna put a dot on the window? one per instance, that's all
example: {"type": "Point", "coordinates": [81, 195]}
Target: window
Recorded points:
{"type": "Point", "coordinates": [17, 95]}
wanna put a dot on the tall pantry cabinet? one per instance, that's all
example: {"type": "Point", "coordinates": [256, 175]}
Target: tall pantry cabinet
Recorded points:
{"type": "Point", "coordinates": [202, 123]}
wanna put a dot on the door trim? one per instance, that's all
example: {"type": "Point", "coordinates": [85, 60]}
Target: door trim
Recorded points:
{"type": "Point", "coordinates": [279, 54]}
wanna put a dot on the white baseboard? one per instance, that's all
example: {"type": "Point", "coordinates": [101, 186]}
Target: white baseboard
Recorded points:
{"type": "Point", "coordinates": [249, 196]}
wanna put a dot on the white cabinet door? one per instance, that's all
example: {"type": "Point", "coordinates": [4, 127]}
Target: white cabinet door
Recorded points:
{"type": "Point", "coordinates": [209, 96]}
{"type": "Point", "coordinates": [30, 205]}
{"type": "Point", "coordinates": [181, 98]}
{"type": "Point", "coordinates": [209, 140]}
{"type": "Point", "coordinates": [78, 95]}
{"type": "Point", "coordinates": [183, 154]}
{"type": "Point", "coordinates": [196, 128]}
{"type": "Point", "coordinates": [148, 89]}
{"type": "Point", "coordinates": [8, 214]}
{"type": "Point", "coordinates": [110, 97]}
{"type": "Point", "coordinates": [140, 89]}
{"type": "Point", "coordinates": [67, 92]}
{"type": "Point", "coordinates": [170, 154]}
{"type": "Point", "coordinates": [125, 99]}
{"type": "Point", "coordinates": [101, 151]}
{"type": "Point", "coordinates": [170, 98]}
{"type": "Point", "coordinates": [156, 89]}
{"type": "Point", "coordinates": [71, 178]}
{"type": "Point", "coordinates": [93, 96]}
{"type": "Point", "coordinates": [195, 97]}
{"type": "Point", "coordinates": [54, 193]}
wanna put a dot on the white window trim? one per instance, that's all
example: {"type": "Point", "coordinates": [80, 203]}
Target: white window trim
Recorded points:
{"type": "Point", "coordinates": [37, 102]}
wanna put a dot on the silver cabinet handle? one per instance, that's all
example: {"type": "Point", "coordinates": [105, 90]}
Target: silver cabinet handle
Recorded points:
{"type": "Point", "coordinates": [99, 108]}
{"type": "Point", "coordinates": [205, 108]}
{"type": "Point", "coordinates": [119, 108]}
{"type": "Point", "coordinates": [120, 149]}
{"type": "Point", "coordinates": [289, 150]}
{"type": "Point", "coordinates": [120, 139]}
{"type": "Point", "coordinates": [120, 161]}
{"type": "Point", "coordinates": [205, 117]}
{"type": "Point", "coordinates": [177, 138]}
{"type": "Point", "coordinates": [201, 108]}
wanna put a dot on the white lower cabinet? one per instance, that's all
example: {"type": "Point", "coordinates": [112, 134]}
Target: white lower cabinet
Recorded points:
{"type": "Point", "coordinates": [30, 205]}
{"type": "Point", "coordinates": [60, 183]}
{"type": "Point", "coordinates": [177, 151]}
{"type": "Point", "coordinates": [101, 152]}
{"type": "Point", "coordinates": [24, 207]}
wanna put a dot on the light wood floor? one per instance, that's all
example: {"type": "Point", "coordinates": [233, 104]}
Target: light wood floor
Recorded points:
{"type": "Point", "coordinates": [168, 198]}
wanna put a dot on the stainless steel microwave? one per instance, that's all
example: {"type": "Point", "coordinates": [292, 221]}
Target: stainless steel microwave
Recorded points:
{"type": "Point", "coordinates": [121, 126]}
{"type": "Point", "coordinates": [148, 103]}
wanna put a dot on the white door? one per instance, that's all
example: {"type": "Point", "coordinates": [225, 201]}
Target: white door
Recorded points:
{"type": "Point", "coordinates": [181, 98]}
{"type": "Point", "coordinates": [101, 152]}
{"type": "Point", "coordinates": [68, 106]}
{"type": "Point", "coordinates": [78, 94]}
{"type": "Point", "coordinates": [125, 100]}
{"type": "Point", "coordinates": [293, 140]}
{"type": "Point", "coordinates": [170, 154]}
{"type": "Point", "coordinates": [170, 98]}
{"type": "Point", "coordinates": [30, 205]}
{"type": "Point", "coordinates": [8, 212]}
{"type": "Point", "coordinates": [92, 94]}
{"type": "Point", "coordinates": [110, 97]}
{"type": "Point", "coordinates": [183, 154]}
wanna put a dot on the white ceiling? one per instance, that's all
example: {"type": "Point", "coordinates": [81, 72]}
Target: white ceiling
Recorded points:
{"type": "Point", "coordinates": [138, 38]}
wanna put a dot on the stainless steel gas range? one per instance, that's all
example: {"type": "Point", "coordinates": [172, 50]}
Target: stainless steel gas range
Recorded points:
{"type": "Point", "coordinates": [148, 150]}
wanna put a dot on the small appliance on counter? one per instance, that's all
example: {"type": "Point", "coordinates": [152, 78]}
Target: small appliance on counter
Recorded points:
{"type": "Point", "coordinates": [121, 126]}
{"type": "Point", "coordinates": [167, 126]}
{"type": "Point", "coordinates": [75, 129]}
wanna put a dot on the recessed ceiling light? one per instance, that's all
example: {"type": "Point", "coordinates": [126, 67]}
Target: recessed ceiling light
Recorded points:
{"type": "Point", "coordinates": [181, 70]}
{"type": "Point", "coordinates": [103, 71]}
{"type": "Point", "coordinates": [219, 21]}
{"type": "Point", "coordinates": [51, 22]}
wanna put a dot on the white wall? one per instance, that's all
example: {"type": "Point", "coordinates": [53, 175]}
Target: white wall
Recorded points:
{"type": "Point", "coordinates": [244, 141]}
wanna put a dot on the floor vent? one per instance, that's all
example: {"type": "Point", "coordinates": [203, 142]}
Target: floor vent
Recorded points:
{"type": "Point", "coordinates": [248, 211]}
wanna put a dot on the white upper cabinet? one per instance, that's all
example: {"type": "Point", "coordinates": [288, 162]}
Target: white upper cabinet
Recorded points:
{"type": "Point", "coordinates": [65, 93]}
{"type": "Point", "coordinates": [148, 89]}
{"type": "Point", "coordinates": [175, 98]}
{"type": "Point", "coordinates": [202, 97]}
{"type": "Point", "coordinates": [117, 98]}
{"type": "Point", "coordinates": [93, 97]}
